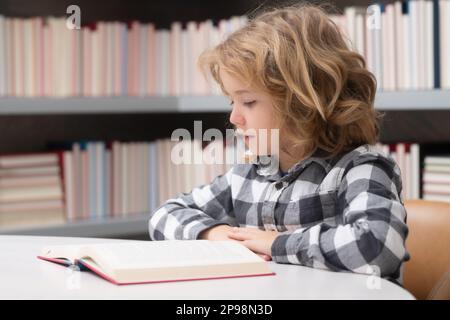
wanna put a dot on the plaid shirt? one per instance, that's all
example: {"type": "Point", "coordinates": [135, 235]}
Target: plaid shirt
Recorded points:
{"type": "Point", "coordinates": [341, 214]}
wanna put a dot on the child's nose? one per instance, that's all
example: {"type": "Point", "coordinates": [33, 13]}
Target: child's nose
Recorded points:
{"type": "Point", "coordinates": [236, 118]}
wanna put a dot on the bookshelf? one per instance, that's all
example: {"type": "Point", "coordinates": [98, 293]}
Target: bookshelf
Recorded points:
{"type": "Point", "coordinates": [110, 105]}
{"type": "Point", "coordinates": [29, 124]}
{"type": "Point", "coordinates": [422, 100]}
{"type": "Point", "coordinates": [134, 226]}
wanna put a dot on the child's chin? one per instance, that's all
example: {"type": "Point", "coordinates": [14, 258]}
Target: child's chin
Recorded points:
{"type": "Point", "coordinates": [254, 150]}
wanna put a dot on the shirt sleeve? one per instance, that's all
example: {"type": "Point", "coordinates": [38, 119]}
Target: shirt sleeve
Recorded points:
{"type": "Point", "coordinates": [186, 216]}
{"type": "Point", "coordinates": [371, 239]}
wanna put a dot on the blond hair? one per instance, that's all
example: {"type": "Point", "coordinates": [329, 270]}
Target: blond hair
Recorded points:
{"type": "Point", "coordinates": [322, 93]}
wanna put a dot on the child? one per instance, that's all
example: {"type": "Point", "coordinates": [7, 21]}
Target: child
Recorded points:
{"type": "Point", "coordinates": [334, 202]}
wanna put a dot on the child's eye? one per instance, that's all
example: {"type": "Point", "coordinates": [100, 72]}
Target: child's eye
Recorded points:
{"type": "Point", "coordinates": [249, 104]}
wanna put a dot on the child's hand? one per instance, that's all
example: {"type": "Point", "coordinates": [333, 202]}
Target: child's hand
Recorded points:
{"type": "Point", "coordinates": [259, 241]}
{"type": "Point", "coordinates": [265, 256]}
{"type": "Point", "coordinates": [217, 233]}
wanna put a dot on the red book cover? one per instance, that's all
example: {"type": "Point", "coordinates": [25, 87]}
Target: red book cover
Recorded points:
{"type": "Point", "coordinates": [85, 266]}
{"type": "Point", "coordinates": [151, 64]}
{"type": "Point", "coordinates": [138, 262]}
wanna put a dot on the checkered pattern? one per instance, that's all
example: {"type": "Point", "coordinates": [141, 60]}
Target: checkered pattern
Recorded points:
{"type": "Point", "coordinates": [341, 214]}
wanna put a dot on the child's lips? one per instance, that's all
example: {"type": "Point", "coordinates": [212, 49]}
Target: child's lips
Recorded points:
{"type": "Point", "coordinates": [245, 137]}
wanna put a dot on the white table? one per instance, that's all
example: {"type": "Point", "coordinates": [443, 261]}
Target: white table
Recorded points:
{"type": "Point", "coordinates": [23, 276]}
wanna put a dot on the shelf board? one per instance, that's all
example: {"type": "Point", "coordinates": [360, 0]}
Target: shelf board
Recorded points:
{"type": "Point", "coordinates": [99, 228]}
{"type": "Point", "coordinates": [413, 100]}
{"type": "Point", "coordinates": [385, 100]}
{"type": "Point", "coordinates": [87, 105]}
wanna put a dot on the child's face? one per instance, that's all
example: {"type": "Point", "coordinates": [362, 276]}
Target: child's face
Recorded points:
{"type": "Point", "coordinates": [252, 110]}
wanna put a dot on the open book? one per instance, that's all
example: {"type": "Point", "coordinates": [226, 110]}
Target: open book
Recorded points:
{"type": "Point", "coordinates": [133, 262]}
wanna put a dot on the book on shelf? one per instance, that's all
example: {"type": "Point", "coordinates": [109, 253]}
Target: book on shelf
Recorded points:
{"type": "Point", "coordinates": [437, 168]}
{"type": "Point", "coordinates": [138, 262]}
{"type": "Point", "coordinates": [437, 188]}
{"type": "Point", "coordinates": [94, 180]}
{"type": "Point", "coordinates": [31, 192]}
{"type": "Point", "coordinates": [31, 160]}
{"type": "Point", "coordinates": [404, 43]}
{"type": "Point", "coordinates": [105, 58]}
{"type": "Point", "coordinates": [32, 218]}
{"type": "Point", "coordinates": [436, 178]}
{"type": "Point", "coordinates": [407, 156]}
{"type": "Point", "coordinates": [437, 160]}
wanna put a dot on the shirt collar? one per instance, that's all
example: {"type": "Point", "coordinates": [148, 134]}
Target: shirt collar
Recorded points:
{"type": "Point", "coordinates": [268, 166]}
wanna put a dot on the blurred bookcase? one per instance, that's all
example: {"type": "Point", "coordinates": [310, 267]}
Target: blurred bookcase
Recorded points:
{"type": "Point", "coordinates": [29, 124]}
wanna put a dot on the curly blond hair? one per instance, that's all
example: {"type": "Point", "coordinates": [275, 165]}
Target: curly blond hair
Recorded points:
{"type": "Point", "coordinates": [322, 93]}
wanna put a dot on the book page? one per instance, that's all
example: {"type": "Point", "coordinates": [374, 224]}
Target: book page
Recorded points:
{"type": "Point", "coordinates": [172, 253]}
